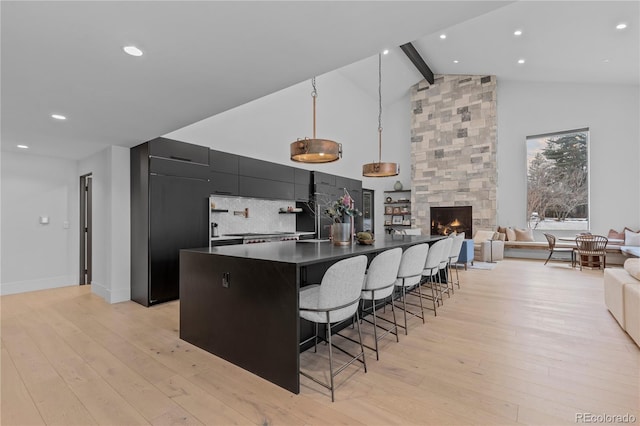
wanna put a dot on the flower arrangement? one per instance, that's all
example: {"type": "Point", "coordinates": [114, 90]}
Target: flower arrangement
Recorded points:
{"type": "Point", "coordinates": [343, 209]}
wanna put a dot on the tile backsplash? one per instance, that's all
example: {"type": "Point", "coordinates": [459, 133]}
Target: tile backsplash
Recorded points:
{"type": "Point", "coordinates": [264, 215]}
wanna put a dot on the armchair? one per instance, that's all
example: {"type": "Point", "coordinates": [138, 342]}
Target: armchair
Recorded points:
{"type": "Point", "coordinates": [488, 246]}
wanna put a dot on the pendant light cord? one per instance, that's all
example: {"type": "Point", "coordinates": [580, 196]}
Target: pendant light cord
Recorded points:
{"type": "Point", "coordinates": [314, 95]}
{"type": "Point", "coordinates": [379, 108]}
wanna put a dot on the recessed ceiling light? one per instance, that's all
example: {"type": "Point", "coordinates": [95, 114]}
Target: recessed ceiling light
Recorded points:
{"type": "Point", "coordinates": [455, 61]}
{"type": "Point", "coordinates": [132, 50]}
{"type": "Point", "coordinates": [517, 32]}
{"type": "Point", "coordinates": [521, 61]}
{"type": "Point", "coordinates": [58, 117]}
{"type": "Point", "coordinates": [22, 146]}
{"type": "Point", "coordinates": [606, 61]}
{"type": "Point", "coordinates": [443, 36]}
{"type": "Point", "coordinates": [385, 51]}
{"type": "Point", "coordinates": [621, 26]}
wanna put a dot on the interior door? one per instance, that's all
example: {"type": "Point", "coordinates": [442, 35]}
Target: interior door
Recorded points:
{"type": "Point", "coordinates": [85, 229]}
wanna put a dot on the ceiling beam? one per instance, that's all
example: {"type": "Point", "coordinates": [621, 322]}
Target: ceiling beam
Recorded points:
{"type": "Point", "coordinates": [417, 60]}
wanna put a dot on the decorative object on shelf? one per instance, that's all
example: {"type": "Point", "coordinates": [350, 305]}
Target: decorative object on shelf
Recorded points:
{"type": "Point", "coordinates": [396, 220]}
{"type": "Point", "coordinates": [387, 223]}
{"type": "Point", "coordinates": [315, 150]}
{"type": "Point", "coordinates": [389, 199]}
{"type": "Point", "coordinates": [380, 169]}
{"type": "Point", "coordinates": [388, 210]}
{"type": "Point", "coordinates": [396, 210]}
{"type": "Point", "coordinates": [397, 186]}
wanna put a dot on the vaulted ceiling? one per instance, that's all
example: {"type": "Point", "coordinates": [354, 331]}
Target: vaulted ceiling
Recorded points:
{"type": "Point", "coordinates": [205, 57]}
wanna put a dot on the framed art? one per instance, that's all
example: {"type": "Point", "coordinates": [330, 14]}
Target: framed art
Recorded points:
{"type": "Point", "coordinates": [396, 210]}
{"type": "Point", "coordinates": [396, 220]}
{"type": "Point", "coordinates": [388, 210]}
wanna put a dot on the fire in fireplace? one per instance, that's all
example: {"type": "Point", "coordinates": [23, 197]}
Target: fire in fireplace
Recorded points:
{"type": "Point", "coordinates": [447, 220]}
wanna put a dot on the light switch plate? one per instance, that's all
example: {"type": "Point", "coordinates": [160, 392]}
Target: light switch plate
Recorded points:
{"type": "Point", "coordinates": [44, 220]}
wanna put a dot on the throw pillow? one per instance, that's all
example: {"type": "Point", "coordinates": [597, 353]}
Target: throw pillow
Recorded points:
{"type": "Point", "coordinates": [616, 236]}
{"type": "Point", "coordinates": [502, 229]}
{"type": "Point", "coordinates": [524, 234]}
{"type": "Point", "coordinates": [631, 238]}
{"type": "Point", "coordinates": [511, 234]}
{"type": "Point", "coordinates": [632, 266]}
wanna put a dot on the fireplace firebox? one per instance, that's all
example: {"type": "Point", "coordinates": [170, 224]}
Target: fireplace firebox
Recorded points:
{"type": "Point", "coordinates": [447, 220]}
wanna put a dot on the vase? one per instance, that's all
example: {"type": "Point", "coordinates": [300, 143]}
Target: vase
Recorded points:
{"type": "Point", "coordinates": [341, 234]}
{"type": "Point", "coordinates": [398, 186]}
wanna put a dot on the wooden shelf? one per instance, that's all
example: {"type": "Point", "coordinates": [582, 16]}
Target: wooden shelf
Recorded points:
{"type": "Point", "coordinates": [402, 190]}
{"type": "Point", "coordinates": [289, 212]}
{"type": "Point", "coordinates": [398, 202]}
{"type": "Point", "coordinates": [219, 210]}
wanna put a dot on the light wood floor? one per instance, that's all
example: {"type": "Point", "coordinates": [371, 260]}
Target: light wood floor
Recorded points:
{"type": "Point", "coordinates": [524, 343]}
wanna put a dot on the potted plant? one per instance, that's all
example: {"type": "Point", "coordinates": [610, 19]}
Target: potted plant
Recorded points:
{"type": "Point", "coordinates": [342, 212]}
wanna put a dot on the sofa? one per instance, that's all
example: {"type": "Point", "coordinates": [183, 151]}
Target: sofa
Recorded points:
{"type": "Point", "coordinates": [488, 246]}
{"type": "Point", "coordinates": [622, 296]}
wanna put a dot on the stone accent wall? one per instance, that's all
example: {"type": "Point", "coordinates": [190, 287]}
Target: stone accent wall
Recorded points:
{"type": "Point", "coordinates": [453, 148]}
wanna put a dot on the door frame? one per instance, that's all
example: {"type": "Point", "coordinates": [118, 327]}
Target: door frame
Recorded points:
{"type": "Point", "coordinates": [86, 231]}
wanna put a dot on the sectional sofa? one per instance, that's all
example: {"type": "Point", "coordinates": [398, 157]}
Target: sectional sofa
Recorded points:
{"type": "Point", "coordinates": [622, 296]}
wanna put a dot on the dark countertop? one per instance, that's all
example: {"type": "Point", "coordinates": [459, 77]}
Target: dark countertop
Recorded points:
{"type": "Point", "coordinates": [304, 253]}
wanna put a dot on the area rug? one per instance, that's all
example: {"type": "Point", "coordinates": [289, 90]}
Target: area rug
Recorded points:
{"type": "Point", "coordinates": [482, 265]}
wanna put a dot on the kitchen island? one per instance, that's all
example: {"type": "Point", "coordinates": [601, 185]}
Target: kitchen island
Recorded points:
{"type": "Point", "coordinates": [240, 302]}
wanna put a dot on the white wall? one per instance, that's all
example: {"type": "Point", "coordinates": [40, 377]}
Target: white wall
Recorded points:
{"type": "Point", "coordinates": [36, 256]}
{"type": "Point", "coordinates": [609, 111]}
{"type": "Point", "coordinates": [266, 127]}
{"type": "Point", "coordinates": [111, 248]}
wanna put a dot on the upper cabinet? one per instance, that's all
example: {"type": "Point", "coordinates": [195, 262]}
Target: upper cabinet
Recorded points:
{"type": "Point", "coordinates": [265, 170]}
{"type": "Point", "coordinates": [223, 173]}
{"type": "Point", "coordinates": [179, 151]}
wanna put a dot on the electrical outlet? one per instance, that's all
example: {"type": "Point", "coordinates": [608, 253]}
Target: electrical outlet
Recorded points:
{"type": "Point", "coordinates": [226, 279]}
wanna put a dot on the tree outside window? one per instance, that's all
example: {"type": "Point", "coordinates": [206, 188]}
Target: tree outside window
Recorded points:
{"type": "Point", "coordinates": [558, 180]}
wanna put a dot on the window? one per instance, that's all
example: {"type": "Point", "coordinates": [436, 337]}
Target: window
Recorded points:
{"type": "Point", "coordinates": [558, 180]}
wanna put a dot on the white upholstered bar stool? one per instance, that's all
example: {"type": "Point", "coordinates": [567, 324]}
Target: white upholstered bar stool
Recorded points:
{"type": "Point", "coordinates": [430, 270]}
{"type": "Point", "coordinates": [408, 281]}
{"type": "Point", "coordinates": [379, 284]}
{"type": "Point", "coordinates": [456, 246]}
{"type": "Point", "coordinates": [335, 300]}
{"type": "Point", "coordinates": [443, 273]}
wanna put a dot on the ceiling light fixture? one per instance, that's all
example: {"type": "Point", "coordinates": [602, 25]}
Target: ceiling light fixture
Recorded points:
{"type": "Point", "coordinates": [443, 36]}
{"type": "Point", "coordinates": [315, 150]}
{"type": "Point", "coordinates": [380, 169]}
{"type": "Point", "coordinates": [58, 117]}
{"type": "Point", "coordinates": [621, 26]}
{"type": "Point", "coordinates": [517, 32]}
{"type": "Point", "coordinates": [521, 61]}
{"type": "Point", "coordinates": [455, 61]}
{"type": "Point", "coordinates": [132, 50]}
{"type": "Point", "coordinates": [22, 146]}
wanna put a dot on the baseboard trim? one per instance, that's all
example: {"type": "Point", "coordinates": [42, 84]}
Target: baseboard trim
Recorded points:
{"type": "Point", "coordinates": [16, 287]}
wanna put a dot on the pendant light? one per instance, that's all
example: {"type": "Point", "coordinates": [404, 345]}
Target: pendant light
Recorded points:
{"type": "Point", "coordinates": [380, 169]}
{"type": "Point", "coordinates": [315, 150]}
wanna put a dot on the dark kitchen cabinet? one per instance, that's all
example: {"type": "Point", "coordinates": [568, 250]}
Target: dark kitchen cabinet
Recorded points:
{"type": "Point", "coordinates": [223, 162]}
{"type": "Point", "coordinates": [265, 188]}
{"type": "Point", "coordinates": [223, 183]}
{"type": "Point", "coordinates": [179, 151]}
{"type": "Point", "coordinates": [169, 212]}
{"type": "Point", "coordinates": [302, 182]}
{"type": "Point", "coordinates": [252, 167]}
{"type": "Point", "coordinates": [179, 219]}
{"type": "Point", "coordinates": [329, 188]}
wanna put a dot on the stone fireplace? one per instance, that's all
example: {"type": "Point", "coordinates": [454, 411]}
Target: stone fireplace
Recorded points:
{"type": "Point", "coordinates": [447, 220]}
{"type": "Point", "coordinates": [453, 150]}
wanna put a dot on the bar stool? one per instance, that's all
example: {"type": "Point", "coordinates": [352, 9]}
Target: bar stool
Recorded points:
{"type": "Point", "coordinates": [408, 281]}
{"type": "Point", "coordinates": [430, 270]}
{"type": "Point", "coordinates": [443, 268]}
{"type": "Point", "coordinates": [456, 246]}
{"type": "Point", "coordinates": [335, 300]}
{"type": "Point", "coordinates": [379, 283]}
